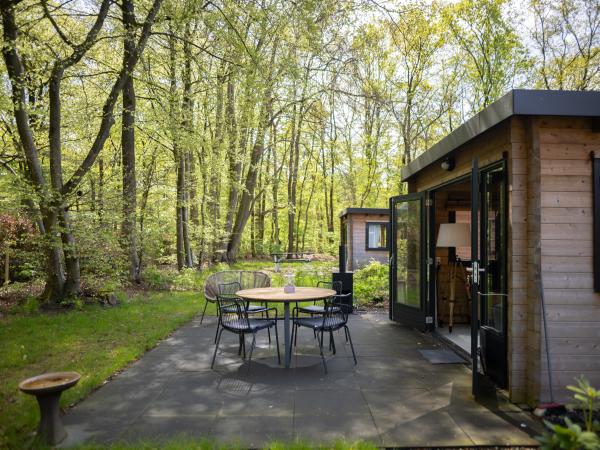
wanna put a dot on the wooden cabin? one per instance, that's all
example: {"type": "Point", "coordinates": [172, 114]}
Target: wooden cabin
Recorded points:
{"type": "Point", "coordinates": [523, 179]}
{"type": "Point", "coordinates": [364, 233]}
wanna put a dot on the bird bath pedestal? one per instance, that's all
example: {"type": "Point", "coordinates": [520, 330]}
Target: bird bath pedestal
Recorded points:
{"type": "Point", "coordinates": [47, 389]}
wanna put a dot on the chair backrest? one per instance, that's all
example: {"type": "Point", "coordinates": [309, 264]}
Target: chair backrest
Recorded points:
{"type": "Point", "coordinates": [232, 312]}
{"type": "Point", "coordinates": [228, 290]}
{"type": "Point", "coordinates": [249, 279]}
{"type": "Point", "coordinates": [246, 278]}
{"type": "Point", "coordinates": [335, 285]}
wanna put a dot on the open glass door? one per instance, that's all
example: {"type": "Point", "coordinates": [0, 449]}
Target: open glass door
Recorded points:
{"type": "Point", "coordinates": [407, 260]}
{"type": "Point", "coordinates": [475, 275]}
{"type": "Point", "coordinates": [493, 285]}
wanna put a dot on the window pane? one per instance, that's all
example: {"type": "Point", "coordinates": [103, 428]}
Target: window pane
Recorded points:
{"type": "Point", "coordinates": [373, 235]}
{"type": "Point", "coordinates": [376, 236]}
{"type": "Point", "coordinates": [408, 257]}
{"type": "Point", "coordinates": [494, 278]}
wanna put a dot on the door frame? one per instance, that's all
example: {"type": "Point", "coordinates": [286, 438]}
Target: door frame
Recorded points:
{"type": "Point", "coordinates": [409, 315]}
{"type": "Point", "coordinates": [483, 328]}
{"type": "Point", "coordinates": [428, 270]}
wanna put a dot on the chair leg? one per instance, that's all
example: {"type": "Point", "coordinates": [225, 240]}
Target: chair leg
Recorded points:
{"type": "Point", "coordinates": [321, 351]}
{"type": "Point", "coordinates": [212, 364]}
{"type": "Point", "coordinates": [240, 345]}
{"type": "Point", "coordinates": [268, 329]}
{"type": "Point", "coordinates": [277, 344]}
{"type": "Point", "coordinates": [295, 327]}
{"type": "Point", "coordinates": [293, 336]}
{"type": "Point", "coordinates": [351, 346]}
{"type": "Point", "coordinates": [217, 331]}
{"type": "Point", "coordinates": [346, 333]}
{"type": "Point", "coordinates": [203, 311]}
{"type": "Point", "coordinates": [332, 341]}
{"type": "Point", "coordinates": [251, 349]}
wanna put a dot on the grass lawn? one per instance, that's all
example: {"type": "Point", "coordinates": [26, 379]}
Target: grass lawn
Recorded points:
{"type": "Point", "coordinates": [188, 444]}
{"type": "Point", "coordinates": [95, 341]}
{"type": "Point", "coordinates": [98, 341]}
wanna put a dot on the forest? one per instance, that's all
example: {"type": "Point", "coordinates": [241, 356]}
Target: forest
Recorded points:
{"type": "Point", "coordinates": [146, 133]}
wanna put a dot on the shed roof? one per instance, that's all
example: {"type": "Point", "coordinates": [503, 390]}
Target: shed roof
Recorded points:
{"type": "Point", "coordinates": [517, 102]}
{"type": "Point", "coordinates": [348, 211]}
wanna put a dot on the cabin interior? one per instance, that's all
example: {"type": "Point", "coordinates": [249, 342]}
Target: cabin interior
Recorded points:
{"type": "Point", "coordinates": [452, 265]}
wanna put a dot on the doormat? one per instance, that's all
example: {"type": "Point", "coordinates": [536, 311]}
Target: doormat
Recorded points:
{"type": "Point", "coordinates": [441, 357]}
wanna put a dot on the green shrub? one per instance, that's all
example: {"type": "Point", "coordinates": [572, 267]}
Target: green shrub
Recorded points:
{"type": "Point", "coordinates": [572, 435]}
{"type": "Point", "coordinates": [187, 279]}
{"type": "Point", "coordinates": [371, 283]}
{"type": "Point", "coordinates": [156, 278]}
{"type": "Point", "coordinates": [31, 305]}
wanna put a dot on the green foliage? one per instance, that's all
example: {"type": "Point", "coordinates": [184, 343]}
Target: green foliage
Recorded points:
{"type": "Point", "coordinates": [31, 305]}
{"type": "Point", "coordinates": [569, 437]}
{"type": "Point", "coordinates": [588, 400]}
{"type": "Point", "coordinates": [188, 279]}
{"type": "Point", "coordinates": [184, 442]}
{"type": "Point", "coordinates": [156, 278]}
{"type": "Point", "coordinates": [572, 436]}
{"type": "Point", "coordinates": [371, 283]}
{"type": "Point", "coordinates": [100, 253]}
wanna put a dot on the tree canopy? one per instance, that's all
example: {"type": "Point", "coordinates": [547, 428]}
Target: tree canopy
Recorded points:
{"type": "Point", "coordinates": [144, 132]}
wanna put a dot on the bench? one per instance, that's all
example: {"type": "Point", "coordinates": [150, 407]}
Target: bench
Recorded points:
{"type": "Point", "coordinates": [278, 258]}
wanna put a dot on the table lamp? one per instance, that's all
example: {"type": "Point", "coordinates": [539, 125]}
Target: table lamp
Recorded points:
{"type": "Point", "coordinates": [453, 235]}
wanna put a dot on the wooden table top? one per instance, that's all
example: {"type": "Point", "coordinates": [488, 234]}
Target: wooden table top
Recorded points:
{"type": "Point", "coordinates": [276, 294]}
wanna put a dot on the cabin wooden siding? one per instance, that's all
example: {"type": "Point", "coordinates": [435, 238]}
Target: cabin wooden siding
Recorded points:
{"type": "Point", "coordinates": [358, 255]}
{"type": "Point", "coordinates": [550, 223]}
{"type": "Point", "coordinates": [566, 238]}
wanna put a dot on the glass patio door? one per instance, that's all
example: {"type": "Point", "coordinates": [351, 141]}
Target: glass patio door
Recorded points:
{"type": "Point", "coordinates": [407, 260]}
{"type": "Point", "coordinates": [488, 276]}
{"type": "Point", "coordinates": [493, 284]}
{"type": "Point", "coordinates": [475, 274]}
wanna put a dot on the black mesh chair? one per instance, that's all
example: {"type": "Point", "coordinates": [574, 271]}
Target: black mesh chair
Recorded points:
{"type": "Point", "coordinates": [228, 290]}
{"type": "Point", "coordinates": [320, 309]}
{"type": "Point", "coordinates": [247, 279]}
{"type": "Point", "coordinates": [316, 308]}
{"type": "Point", "coordinates": [233, 317]}
{"type": "Point", "coordinates": [334, 317]}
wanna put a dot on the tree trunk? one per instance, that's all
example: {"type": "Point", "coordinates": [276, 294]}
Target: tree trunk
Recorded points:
{"type": "Point", "coordinates": [291, 186]}
{"type": "Point", "coordinates": [7, 266]}
{"type": "Point", "coordinates": [257, 151]}
{"type": "Point", "coordinates": [129, 226]}
{"type": "Point", "coordinates": [235, 161]}
{"type": "Point", "coordinates": [215, 179]}
{"type": "Point", "coordinates": [187, 109]}
{"type": "Point", "coordinates": [276, 242]}
{"type": "Point", "coordinates": [100, 190]}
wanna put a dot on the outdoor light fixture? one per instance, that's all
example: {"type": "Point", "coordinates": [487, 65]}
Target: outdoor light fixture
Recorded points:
{"type": "Point", "coordinates": [448, 164]}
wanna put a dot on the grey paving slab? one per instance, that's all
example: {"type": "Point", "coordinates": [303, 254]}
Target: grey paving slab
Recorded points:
{"type": "Point", "coordinates": [160, 428]}
{"type": "Point", "coordinates": [392, 397]}
{"type": "Point", "coordinates": [322, 430]}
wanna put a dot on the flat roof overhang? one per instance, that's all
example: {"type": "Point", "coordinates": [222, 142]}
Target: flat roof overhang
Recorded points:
{"type": "Point", "coordinates": [373, 211]}
{"type": "Point", "coordinates": [518, 102]}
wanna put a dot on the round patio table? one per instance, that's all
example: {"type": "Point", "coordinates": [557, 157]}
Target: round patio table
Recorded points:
{"type": "Point", "coordinates": [277, 295]}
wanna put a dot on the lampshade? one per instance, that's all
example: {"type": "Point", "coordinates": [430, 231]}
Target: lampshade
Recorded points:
{"type": "Point", "coordinates": [454, 235]}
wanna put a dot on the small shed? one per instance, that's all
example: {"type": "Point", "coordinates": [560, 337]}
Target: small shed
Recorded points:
{"type": "Point", "coordinates": [523, 177]}
{"type": "Point", "coordinates": [365, 235]}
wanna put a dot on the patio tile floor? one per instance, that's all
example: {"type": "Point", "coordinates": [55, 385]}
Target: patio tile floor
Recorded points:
{"type": "Point", "coordinates": [393, 397]}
